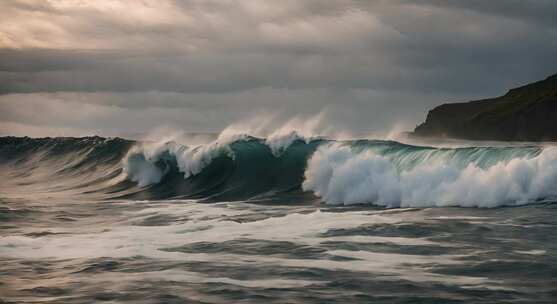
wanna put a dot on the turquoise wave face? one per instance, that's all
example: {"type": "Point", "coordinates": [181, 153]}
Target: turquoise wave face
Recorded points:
{"type": "Point", "coordinates": [293, 169]}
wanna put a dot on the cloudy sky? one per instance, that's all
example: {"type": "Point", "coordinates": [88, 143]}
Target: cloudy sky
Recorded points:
{"type": "Point", "coordinates": [108, 67]}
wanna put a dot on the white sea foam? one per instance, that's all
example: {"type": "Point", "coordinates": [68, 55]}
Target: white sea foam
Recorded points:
{"type": "Point", "coordinates": [141, 171]}
{"type": "Point", "coordinates": [206, 223]}
{"type": "Point", "coordinates": [279, 142]}
{"type": "Point", "coordinates": [140, 165]}
{"type": "Point", "coordinates": [341, 175]}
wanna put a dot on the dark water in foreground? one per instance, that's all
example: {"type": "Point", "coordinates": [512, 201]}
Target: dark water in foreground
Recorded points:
{"type": "Point", "coordinates": [187, 252]}
{"type": "Point", "coordinates": [288, 220]}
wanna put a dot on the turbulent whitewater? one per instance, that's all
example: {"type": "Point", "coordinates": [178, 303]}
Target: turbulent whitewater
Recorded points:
{"type": "Point", "coordinates": [281, 219]}
{"type": "Point", "coordinates": [291, 167]}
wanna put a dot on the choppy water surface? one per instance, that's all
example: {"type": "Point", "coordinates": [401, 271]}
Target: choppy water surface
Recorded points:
{"type": "Point", "coordinates": [182, 251]}
{"type": "Point", "coordinates": [92, 220]}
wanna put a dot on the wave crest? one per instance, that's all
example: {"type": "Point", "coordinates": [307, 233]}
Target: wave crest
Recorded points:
{"type": "Point", "coordinates": [342, 175]}
{"type": "Point", "coordinates": [147, 164]}
{"type": "Point", "coordinates": [281, 167]}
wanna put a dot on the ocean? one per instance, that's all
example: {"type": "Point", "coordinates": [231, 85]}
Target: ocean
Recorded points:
{"type": "Point", "coordinates": [282, 219]}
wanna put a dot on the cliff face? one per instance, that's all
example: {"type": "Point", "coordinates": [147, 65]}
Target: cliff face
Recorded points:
{"type": "Point", "coordinates": [527, 113]}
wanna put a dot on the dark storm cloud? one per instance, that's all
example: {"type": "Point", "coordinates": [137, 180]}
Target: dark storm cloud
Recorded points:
{"type": "Point", "coordinates": [219, 60]}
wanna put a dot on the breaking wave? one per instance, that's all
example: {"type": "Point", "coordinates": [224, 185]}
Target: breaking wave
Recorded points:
{"type": "Point", "coordinates": [286, 168]}
{"type": "Point", "coordinates": [477, 177]}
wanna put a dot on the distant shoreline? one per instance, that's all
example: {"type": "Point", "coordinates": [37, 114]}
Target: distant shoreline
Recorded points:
{"type": "Point", "coordinates": [527, 113]}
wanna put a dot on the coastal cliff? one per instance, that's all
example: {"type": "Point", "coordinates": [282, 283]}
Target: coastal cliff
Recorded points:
{"type": "Point", "coordinates": [527, 113]}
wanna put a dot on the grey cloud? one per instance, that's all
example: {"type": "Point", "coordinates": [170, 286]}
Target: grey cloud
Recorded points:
{"type": "Point", "coordinates": [203, 64]}
{"type": "Point", "coordinates": [375, 45]}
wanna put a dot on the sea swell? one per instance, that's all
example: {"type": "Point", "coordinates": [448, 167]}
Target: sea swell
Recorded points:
{"type": "Point", "coordinates": [283, 168]}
